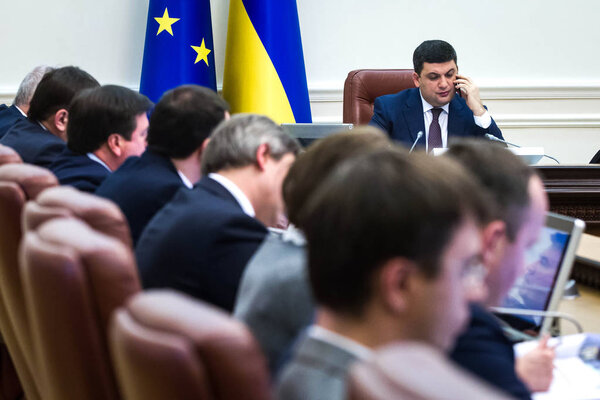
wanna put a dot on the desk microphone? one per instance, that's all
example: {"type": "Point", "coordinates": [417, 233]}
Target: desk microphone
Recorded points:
{"type": "Point", "coordinates": [495, 139]}
{"type": "Point", "coordinates": [419, 136]}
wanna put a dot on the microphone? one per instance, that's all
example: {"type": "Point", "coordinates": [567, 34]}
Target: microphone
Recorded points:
{"type": "Point", "coordinates": [495, 139]}
{"type": "Point", "coordinates": [419, 136]}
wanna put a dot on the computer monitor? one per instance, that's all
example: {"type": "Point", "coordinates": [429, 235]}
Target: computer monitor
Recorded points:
{"type": "Point", "coordinates": [308, 133]}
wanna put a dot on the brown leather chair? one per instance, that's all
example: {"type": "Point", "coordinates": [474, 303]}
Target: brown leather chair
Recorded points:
{"type": "Point", "coordinates": [18, 183]}
{"type": "Point", "coordinates": [9, 156]}
{"type": "Point", "coordinates": [101, 214]}
{"type": "Point", "coordinates": [415, 371]}
{"type": "Point", "coordinates": [73, 279]}
{"type": "Point", "coordinates": [363, 86]}
{"type": "Point", "coordinates": [166, 345]}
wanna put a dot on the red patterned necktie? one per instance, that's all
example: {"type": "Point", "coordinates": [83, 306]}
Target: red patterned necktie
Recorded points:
{"type": "Point", "coordinates": [435, 131]}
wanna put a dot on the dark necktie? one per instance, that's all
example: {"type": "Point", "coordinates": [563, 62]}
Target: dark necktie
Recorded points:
{"type": "Point", "coordinates": [435, 131]}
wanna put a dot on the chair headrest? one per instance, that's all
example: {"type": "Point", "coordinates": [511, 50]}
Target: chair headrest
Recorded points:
{"type": "Point", "coordinates": [224, 344]}
{"type": "Point", "coordinates": [9, 156]}
{"type": "Point", "coordinates": [32, 179]}
{"type": "Point", "coordinates": [107, 263]}
{"type": "Point", "coordinates": [101, 214]}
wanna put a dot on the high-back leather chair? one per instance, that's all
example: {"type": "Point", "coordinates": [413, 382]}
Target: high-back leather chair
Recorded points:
{"type": "Point", "coordinates": [18, 183]}
{"type": "Point", "coordinates": [363, 86]}
{"type": "Point", "coordinates": [166, 345]}
{"type": "Point", "coordinates": [73, 279]}
{"type": "Point", "coordinates": [9, 156]}
{"type": "Point", "coordinates": [101, 214]}
{"type": "Point", "coordinates": [397, 372]}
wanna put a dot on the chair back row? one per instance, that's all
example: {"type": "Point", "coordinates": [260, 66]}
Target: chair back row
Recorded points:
{"type": "Point", "coordinates": [74, 269]}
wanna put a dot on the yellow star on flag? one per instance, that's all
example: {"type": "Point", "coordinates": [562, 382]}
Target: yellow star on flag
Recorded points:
{"type": "Point", "coordinates": [203, 53]}
{"type": "Point", "coordinates": [165, 23]}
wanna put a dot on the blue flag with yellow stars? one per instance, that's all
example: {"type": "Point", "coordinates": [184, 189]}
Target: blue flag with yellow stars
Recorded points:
{"type": "Point", "coordinates": [179, 47]}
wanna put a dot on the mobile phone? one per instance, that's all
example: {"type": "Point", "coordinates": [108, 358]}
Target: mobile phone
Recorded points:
{"type": "Point", "coordinates": [458, 91]}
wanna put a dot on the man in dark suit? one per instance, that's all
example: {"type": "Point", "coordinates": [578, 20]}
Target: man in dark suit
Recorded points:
{"type": "Point", "coordinates": [432, 107]}
{"type": "Point", "coordinates": [107, 125]}
{"type": "Point", "coordinates": [520, 206]}
{"type": "Point", "coordinates": [179, 128]}
{"type": "Point", "coordinates": [201, 241]}
{"type": "Point", "coordinates": [41, 137]}
{"type": "Point", "coordinates": [391, 239]}
{"type": "Point", "coordinates": [18, 110]}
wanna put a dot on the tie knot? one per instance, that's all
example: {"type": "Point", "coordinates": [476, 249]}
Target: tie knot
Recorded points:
{"type": "Point", "coordinates": [436, 113]}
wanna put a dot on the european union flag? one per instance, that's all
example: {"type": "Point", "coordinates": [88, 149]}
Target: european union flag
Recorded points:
{"type": "Point", "coordinates": [264, 63]}
{"type": "Point", "coordinates": [179, 47]}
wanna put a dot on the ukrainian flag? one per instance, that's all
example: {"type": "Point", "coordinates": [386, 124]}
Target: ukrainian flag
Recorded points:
{"type": "Point", "coordinates": [178, 48]}
{"type": "Point", "coordinates": [264, 63]}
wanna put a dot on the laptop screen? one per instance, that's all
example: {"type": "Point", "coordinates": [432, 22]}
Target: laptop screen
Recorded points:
{"type": "Point", "coordinates": [533, 289]}
{"type": "Point", "coordinates": [548, 265]}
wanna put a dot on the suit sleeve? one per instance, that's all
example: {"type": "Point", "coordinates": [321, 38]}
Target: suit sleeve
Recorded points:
{"type": "Point", "coordinates": [380, 117]}
{"type": "Point", "coordinates": [494, 130]}
{"type": "Point", "coordinates": [490, 361]}
{"type": "Point", "coordinates": [234, 245]}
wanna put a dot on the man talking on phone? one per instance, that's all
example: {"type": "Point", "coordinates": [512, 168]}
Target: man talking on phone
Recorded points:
{"type": "Point", "coordinates": [429, 114]}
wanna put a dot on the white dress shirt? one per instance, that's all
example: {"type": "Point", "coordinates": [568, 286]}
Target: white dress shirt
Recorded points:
{"type": "Point", "coordinates": [483, 121]}
{"type": "Point", "coordinates": [185, 180]}
{"type": "Point", "coordinates": [351, 346]}
{"type": "Point", "coordinates": [236, 192]}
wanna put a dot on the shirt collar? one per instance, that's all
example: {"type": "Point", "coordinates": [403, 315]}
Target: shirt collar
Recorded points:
{"type": "Point", "coordinates": [185, 180]}
{"type": "Point", "coordinates": [21, 111]}
{"type": "Point", "coordinates": [351, 346]}
{"type": "Point", "coordinates": [94, 157]}
{"type": "Point", "coordinates": [427, 106]}
{"type": "Point", "coordinates": [236, 192]}
{"type": "Point", "coordinates": [293, 235]}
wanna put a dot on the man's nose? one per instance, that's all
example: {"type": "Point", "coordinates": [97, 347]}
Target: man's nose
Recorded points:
{"type": "Point", "coordinates": [445, 82]}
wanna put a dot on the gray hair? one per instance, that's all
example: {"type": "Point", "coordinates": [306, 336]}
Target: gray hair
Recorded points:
{"type": "Point", "coordinates": [28, 85]}
{"type": "Point", "coordinates": [234, 142]}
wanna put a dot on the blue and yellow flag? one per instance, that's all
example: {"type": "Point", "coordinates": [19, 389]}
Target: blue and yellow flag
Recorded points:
{"type": "Point", "coordinates": [264, 63]}
{"type": "Point", "coordinates": [179, 46]}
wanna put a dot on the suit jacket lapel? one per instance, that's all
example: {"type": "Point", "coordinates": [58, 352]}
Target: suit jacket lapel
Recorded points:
{"type": "Point", "coordinates": [456, 125]}
{"type": "Point", "coordinates": [413, 114]}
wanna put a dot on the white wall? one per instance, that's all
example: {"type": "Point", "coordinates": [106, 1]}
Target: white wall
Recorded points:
{"type": "Point", "coordinates": [537, 62]}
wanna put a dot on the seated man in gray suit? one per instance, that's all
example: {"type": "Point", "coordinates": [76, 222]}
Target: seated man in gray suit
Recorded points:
{"type": "Point", "coordinates": [274, 298]}
{"type": "Point", "coordinates": [393, 241]}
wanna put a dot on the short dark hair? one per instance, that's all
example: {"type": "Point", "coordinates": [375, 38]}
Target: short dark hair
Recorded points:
{"type": "Point", "coordinates": [504, 175]}
{"type": "Point", "coordinates": [183, 118]}
{"type": "Point", "coordinates": [432, 51]}
{"type": "Point", "coordinates": [97, 113]}
{"type": "Point", "coordinates": [313, 166]}
{"type": "Point", "coordinates": [56, 90]}
{"type": "Point", "coordinates": [378, 206]}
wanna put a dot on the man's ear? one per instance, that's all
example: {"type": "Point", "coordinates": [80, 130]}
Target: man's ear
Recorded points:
{"type": "Point", "coordinates": [61, 119]}
{"type": "Point", "coordinates": [114, 144]}
{"type": "Point", "coordinates": [395, 283]}
{"type": "Point", "coordinates": [493, 237]}
{"type": "Point", "coordinates": [415, 77]}
{"type": "Point", "coordinates": [262, 156]}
